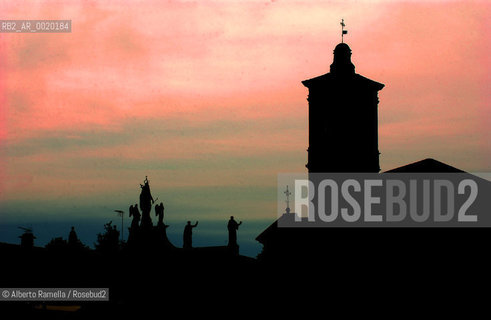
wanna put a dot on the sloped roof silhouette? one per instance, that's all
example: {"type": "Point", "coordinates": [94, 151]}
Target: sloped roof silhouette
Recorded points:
{"type": "Point", "coordinates": [423, 166]}
{"type": "Point", "coordinates": [273, 228]}
{"type": "Point", "coordinates": [426, 166]}
{"type": "Point", "coordinates": [331, 79]}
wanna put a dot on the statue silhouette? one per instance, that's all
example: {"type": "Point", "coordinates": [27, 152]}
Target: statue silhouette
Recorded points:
{"type": "Point", "coordinates": [159, 212]}
{"type": "Point", "coordinates": [146, 201]}
{"type": "Point", "coordinates": [232, 226]}
{"type": "Point", "coordinates": [188, 235]}
{"type": "Point", "coordinates": [136, 216]}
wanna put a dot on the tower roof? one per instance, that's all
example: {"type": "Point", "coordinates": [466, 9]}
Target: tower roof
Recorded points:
{"type": "Point", "coordinates": [342, 60]}
{"type": "Point", "coordinates": [342, 47]}
{"type": "Point", "coordinates": [342, 67]}
{"type": "Point", "coordinates": [330, 78]}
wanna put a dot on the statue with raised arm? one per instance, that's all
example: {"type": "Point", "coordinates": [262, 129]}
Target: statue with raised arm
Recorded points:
{"type": "Point", "coordinates": [187, 241]}
{"type": "Point", "coordinates": [232, 227]}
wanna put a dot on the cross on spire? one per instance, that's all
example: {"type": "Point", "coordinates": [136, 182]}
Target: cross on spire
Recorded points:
{"type": "Point", "coordinates": [343, 32]}
{"type": "Point", "coordinates": [288, 194]}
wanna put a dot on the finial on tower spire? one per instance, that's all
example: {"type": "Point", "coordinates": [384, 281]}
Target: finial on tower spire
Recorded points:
{"type": "Point", "coordinates": [343, 32]}
{"type": "Point", "coordinates": [288, 194]}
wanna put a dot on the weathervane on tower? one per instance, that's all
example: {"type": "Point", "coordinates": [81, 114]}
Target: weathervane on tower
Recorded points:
{"type": "Point", "coordinates": [343, 32]}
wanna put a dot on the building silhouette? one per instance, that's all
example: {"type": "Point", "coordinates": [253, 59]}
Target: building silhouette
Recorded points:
{"type": "Point", "coordinates": [343, 118]}
{"type": "Point", "coordinates": [343, 137]}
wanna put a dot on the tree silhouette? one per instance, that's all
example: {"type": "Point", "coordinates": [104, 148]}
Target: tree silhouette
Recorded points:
{"type": "Point", "coordinates": [108, 242]}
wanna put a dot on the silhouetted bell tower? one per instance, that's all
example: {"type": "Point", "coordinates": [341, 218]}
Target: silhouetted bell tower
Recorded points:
{"type": "Point", "coordinates": [343, 118]}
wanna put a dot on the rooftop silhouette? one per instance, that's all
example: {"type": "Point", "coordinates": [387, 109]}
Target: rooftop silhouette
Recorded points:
{"type": "Point", "coordinates": [149, 273]}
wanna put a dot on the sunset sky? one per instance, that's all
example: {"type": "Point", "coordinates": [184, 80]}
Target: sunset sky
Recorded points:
{"type": "Point", "coordinates": [205, 98]}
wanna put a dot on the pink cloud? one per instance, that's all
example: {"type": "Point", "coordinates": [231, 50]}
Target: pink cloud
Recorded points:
{"type": "Point", "coordinates": [192, 64]}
